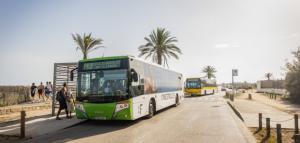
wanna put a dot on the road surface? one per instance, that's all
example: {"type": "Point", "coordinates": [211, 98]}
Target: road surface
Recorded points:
{"type": "Point", "coordinates": [206, 119]}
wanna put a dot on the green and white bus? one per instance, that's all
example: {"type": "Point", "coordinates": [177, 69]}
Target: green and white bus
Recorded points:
{"type": "Point", "coordinates": [124, 88]}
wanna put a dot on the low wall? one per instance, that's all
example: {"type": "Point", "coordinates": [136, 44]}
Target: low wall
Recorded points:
{"type": "Point", "coordinates": [272, 91]}
{"type": "Point", "coordinates": [11, 95]}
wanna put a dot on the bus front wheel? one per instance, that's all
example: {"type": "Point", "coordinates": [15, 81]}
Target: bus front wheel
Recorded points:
{"type": "Point", "coordinates": [176, 101]}
{"type": "Point", "coordinates": [151, 109]}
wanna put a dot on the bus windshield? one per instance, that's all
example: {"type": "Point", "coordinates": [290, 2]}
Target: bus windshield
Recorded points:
{"type": "Point", "coordinates": [193, 84]}
{"type": "Point", "coordinates": [103, 83]}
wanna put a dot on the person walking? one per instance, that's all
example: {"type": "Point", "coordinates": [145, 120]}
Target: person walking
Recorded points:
{"type": "Point", "coordinates": [70, 103]}
{"type": "Point", "coordinates": [33, 90]}
{"type": "Point", "coordinates": [61, 98]}
{"type": "Point", "coordinates": [41, 91]}
{"type": "Point", "coordinates": [50, 88]}
{"type": "Point", "coordinates": [47, 90]}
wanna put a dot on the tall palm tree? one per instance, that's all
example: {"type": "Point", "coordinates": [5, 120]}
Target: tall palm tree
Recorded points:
{"type": "Point", "coordinates": [86, 43]}
{"type": "Point", "coordinates": [209, 71]}
{"type": "Point", "coordinates": [160, 46]}
{"type": "Point", "coordinates": [268, 75]}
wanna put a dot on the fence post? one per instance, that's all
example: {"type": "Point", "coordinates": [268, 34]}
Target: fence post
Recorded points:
{"type": "Point", "coordinates": [297, 138]}
{"type": "Point", "coordinates": [22, 129]}
{"type": "Point", "coordinates": [296, 124]}
{"type": "Point", "coordinates": [259, 121]}
{"type": "Point", "coordinates": [268, 127]}
{"type": "Point", "coordinates": [278, 128]}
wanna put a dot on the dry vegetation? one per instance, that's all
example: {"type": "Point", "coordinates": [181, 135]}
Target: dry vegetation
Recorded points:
{"type": "Point", "coordinates": [287, 135]}
{"type": "Point", "coordinates": [10, 95]}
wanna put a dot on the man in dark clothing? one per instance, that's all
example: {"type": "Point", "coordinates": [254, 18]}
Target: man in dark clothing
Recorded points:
{"type": "Point", "coordinates": [33, 89]}
{"type": "Point", "coordinates": [62, 101]}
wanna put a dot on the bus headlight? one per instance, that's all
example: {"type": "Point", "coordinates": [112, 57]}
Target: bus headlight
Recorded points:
{"type": "Point", "coordinates": [80, 107]}
{"type": "Point", "coordinates": [121, 106]}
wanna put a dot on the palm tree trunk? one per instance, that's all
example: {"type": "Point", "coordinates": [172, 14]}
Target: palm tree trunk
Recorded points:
{"type": "Point", "coordinates": [84, 56]}
{"type": "Point", "coordinates": [159, 57]}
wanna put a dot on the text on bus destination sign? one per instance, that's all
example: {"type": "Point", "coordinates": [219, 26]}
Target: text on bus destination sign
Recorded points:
{"type": "Point", "coordinates": [102, 65]}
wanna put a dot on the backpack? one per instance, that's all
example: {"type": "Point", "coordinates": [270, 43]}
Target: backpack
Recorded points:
{"type": "Point", "coordinates": [58, 96]}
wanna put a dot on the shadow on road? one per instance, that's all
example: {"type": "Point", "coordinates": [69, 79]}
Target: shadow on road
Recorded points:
{"type": "Point", "coordinates": [89, 128]}
{"type": "Point", "coordinates": [197, 96]}
{"type": "Point", "coordinates": [85, 129]}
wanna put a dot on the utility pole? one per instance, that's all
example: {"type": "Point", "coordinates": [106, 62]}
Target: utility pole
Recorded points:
{"type": "Point", "coordinates": [234, 73]}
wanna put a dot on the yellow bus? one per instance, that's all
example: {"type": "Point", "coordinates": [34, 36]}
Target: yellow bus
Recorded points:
{"type": "Point", "coordinates": [200, 86]}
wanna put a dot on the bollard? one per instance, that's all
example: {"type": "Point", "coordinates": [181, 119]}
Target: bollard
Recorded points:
{"type": "Point", "coordinates": [249, 96]}
{"type": "Point", "coordinates": [22, 129]}
{"type": "Point", "coordinates": [268, 127]}
{"type": "Point", "coordinates": [278, 128]}
{"type": "Point", "coordinates": [275, 96]}
{"type": "Point", "coordinates": [259, 121]}
{"type": "Point", "coordinates": [296, 124]}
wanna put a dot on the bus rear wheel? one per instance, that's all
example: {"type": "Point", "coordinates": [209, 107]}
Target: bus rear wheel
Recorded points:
{"type": "Point", "coordinates": [151, 109]}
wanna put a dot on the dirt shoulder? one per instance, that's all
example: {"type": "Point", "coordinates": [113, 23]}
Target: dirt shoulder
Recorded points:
{"type": "Point", "coordinates": [11, 114]}
{"type": "Point", "coordinates": [278, 103]}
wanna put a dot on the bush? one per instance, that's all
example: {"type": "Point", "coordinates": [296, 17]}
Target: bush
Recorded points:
{"type": "Point", "coordinates": [292, 79]}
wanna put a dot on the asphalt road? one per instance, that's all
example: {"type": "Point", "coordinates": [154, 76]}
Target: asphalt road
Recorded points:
{"type": "Point", "coordinates": [206, 119]}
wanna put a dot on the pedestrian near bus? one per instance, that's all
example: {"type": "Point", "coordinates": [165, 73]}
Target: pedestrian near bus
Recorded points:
{"type": "Point", "coordinates": [61, 98]}
{"type": "Point", "coordinates": [33, 90]}
{"type": "Point", "coordinates": [70, 103]}
{"type": "Point", "coordinates": [41, 91]}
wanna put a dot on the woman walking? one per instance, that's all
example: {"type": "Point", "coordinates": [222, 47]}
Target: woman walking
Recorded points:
{"type": "Point", "coordinates": [41, 91]}
{"type": "Point", "coordinates": [70, 103]}
{"type": "Point", "coordinates": [61, 98]}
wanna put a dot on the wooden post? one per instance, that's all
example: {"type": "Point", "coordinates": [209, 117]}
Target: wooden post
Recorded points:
{"type": "Point", "coordinates": [297, 138]}
{"type": "Point", "coordinates": [278, 128]}
{"type": "Point", "coordinates": [259, 121]}
{"type": "Point", "coordinates": [275, 96]}
{"type": "Point", "coordinates": [22, 128]}
{"type": "Point", "coordinates": [268, 127]}
{"type": "Point", "coordinates": [296, 124]}
{"type": "Point", "coordinates": [249, 96]}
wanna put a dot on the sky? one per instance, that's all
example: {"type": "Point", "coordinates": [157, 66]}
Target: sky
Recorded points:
{"type": "Point", "coordinates": [253, 36]}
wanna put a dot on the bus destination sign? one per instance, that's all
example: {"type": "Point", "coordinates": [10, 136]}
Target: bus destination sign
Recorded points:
{"type": "Point", "coordinates": [102, 65]}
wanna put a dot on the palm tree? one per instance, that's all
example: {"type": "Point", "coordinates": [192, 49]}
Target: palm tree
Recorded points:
{"type": "Point", "coordinates": [268, 75]}
{"type": "Point", "coordinates": [209, 71]}
{"type": "Point", "coordinates": [86, 43]}
{"type": "Point", "coordinates": [160, 46]}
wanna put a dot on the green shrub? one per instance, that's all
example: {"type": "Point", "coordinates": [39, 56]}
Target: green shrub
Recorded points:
{"type": "Point", "coordinates": [292, 79]}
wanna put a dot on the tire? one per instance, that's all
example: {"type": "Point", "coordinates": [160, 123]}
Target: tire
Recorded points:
{"type": "Point", "coordinates": [176, 101]}
{"type": "Point", "coordinates": [151, 109]}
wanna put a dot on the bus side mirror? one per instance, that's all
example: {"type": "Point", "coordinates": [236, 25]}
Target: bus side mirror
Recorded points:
{"type": "Point", "coordinates": [134, 75]}
{"type": "Point", "coordinates": [72, 74]}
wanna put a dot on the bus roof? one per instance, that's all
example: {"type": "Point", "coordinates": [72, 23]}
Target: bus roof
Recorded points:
{"type": "Point", "coordinates": [124, 57]}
